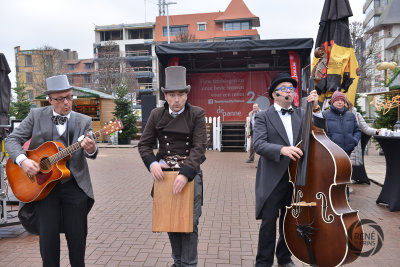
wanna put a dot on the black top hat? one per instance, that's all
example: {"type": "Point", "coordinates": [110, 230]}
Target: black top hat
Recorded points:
{"type": "Point", "coordinates": [175, 79]}
{"type": "Point", "coordinates": [280, 78]}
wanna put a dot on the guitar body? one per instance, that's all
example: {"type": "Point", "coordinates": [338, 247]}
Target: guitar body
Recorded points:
{"type": "Point", "coordinates": [28, 189]}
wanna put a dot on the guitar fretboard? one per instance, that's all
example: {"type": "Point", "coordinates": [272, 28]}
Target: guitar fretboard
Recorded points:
{"type": "Point", "coordinates": [69, 150]}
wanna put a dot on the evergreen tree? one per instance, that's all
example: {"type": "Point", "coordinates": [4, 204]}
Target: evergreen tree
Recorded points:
{"type": "Point", "coordinates": [20, 109]}
{"type": "Point", "coordinates": [124, 112]}
{"type": "Point", "coordinates": [388, 120]}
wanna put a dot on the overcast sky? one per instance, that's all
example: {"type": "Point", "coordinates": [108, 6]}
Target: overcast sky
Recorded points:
{"type": "Point", "coordinates": [61, 24]}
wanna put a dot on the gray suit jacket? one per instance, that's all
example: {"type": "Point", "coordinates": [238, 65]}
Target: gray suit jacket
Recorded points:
{"type": "Point", "coordinates": [269, 137]}
{"type": "Point", "coordinates": [38, 127]}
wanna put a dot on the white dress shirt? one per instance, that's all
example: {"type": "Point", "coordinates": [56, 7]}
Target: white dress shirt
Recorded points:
{"type": "Point", "coordinates": [287, 122]}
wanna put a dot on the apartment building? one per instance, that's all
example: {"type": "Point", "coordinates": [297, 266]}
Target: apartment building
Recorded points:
{"type": "Point", "coordinates": [125, 50]}
{"type": "Point", "coordinates": [33, 66]}
{"type": "Point", "coordinates": [80, 72]}
{"type": "Point", "coordinates": [382, 26]}
{"type": "Point", "coordinates": [236, 23]}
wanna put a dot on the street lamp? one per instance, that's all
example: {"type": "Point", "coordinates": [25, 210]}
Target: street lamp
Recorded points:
{"type": "Point", "coordinates": [167, 4]}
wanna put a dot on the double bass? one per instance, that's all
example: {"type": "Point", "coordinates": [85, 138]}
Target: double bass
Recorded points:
{"type": "Point", "coordinates": [320, 228]}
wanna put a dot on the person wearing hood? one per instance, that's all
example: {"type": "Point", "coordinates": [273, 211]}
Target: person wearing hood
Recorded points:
{"type": "Point", "coordinates": [342, 125]}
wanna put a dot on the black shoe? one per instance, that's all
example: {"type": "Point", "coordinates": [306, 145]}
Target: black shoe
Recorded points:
{"type": "Point", "coordinates": [249, 161]}
{"type": "Point", "coordinates": [290, 264]}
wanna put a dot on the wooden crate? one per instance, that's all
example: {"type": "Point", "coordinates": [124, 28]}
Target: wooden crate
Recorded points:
{"type": "Point", "coordinates": [172, 213]}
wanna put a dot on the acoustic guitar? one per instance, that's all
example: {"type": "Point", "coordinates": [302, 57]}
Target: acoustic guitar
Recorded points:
{"type": "Point", "coordinates": [52, 157]}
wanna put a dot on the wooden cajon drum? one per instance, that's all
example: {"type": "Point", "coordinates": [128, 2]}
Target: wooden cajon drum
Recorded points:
{"type": "Point", "coordinates": [172, 213]}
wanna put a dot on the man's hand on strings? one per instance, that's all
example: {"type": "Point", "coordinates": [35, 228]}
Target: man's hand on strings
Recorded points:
{"type": "Point", "coordinates": [30, 167]}
{"type": "Point", "coordinates": [89, 145]}
{"type": "Point", "coordinates": [313, 97]}
{"type": "Point", "coordinates": [294, 153]}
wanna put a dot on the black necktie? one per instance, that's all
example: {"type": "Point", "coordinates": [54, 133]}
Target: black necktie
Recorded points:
{"type": "Point", "coordinates": [284, 110]}
{"type": "Point", "coordinates": [58, 119]}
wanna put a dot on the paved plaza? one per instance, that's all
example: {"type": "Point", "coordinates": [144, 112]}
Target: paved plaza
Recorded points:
{"type": "Point", "coordinates": [120, 221]}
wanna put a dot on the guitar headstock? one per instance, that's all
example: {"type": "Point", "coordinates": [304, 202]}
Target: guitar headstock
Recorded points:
{"type": "Point", "coordinates": [112, 127]}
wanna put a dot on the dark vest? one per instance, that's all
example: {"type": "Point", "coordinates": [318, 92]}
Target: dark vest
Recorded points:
{"type": "Point", "coordinates": [64, 140]}
{"type": "Point", "coordinates": [174, 135]}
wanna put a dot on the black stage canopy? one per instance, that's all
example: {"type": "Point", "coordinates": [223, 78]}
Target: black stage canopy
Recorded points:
{"type": "Point", "coordinates": [250, 55]}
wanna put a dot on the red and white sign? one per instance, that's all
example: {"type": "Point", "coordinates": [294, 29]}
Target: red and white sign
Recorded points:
{"type": "Point", "coordinates": [295, 72]}
{"type": "Point", "coordinates": [230, 95]}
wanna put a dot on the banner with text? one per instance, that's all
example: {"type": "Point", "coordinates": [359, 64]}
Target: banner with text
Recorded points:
{"type": "Point", "coordinates": [230, 95]}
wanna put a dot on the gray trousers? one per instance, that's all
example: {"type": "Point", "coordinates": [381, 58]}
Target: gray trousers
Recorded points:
{"type": "Point", "coordinates": [184, 246]}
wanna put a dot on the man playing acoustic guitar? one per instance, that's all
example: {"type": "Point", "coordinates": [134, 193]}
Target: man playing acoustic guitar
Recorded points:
{"type": "Point", "coordinates": [67, 205]}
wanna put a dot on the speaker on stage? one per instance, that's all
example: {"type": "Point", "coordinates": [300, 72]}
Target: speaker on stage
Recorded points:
{"type": "Point", "coordinates": [148, 104]}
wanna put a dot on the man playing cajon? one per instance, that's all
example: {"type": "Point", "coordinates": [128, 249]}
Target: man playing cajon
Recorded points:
{"type": "Point", "coordinates": [180, 129]}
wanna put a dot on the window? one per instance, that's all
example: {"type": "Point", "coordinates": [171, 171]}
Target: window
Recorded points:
{"type": "Point", "coordinates": [29, 95]}
{"type": "Point", "coordinates": [238, 25]}
{"type": "Point", "coordinates": [111, 35]}
{"type": "Point", "coordinates": [370, 8]}
{"type": "Point", "coordinates": [28, 60]}
{"type": "Point", "coordinates": [87, 78]}
{"type": "Point", "coordinates": [48, 64]}
{"type": "Point", "coordinates": [29, 77]}
{"type": "Point", "coordinates": [71, 66]}
{"type": "Point", "coordinates": [71, 80]}
{"type": "Point", "coordinates": [140, 34]}
{"type": "Point", "coordinates": [88, 66]}
{"type": "Point", "coordinates": [175, 30]}
{"type": "Point", "coordinates": [201, 27]}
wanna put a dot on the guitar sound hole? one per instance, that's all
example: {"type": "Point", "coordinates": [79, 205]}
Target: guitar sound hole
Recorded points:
{"type": "Point", "coordinates": [45, 164]}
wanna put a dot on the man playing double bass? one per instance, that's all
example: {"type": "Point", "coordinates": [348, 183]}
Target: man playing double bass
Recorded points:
{"type": "Point", "coordinates": [276, 132]}
{"type": "Point", "coordinates": [180, 129]}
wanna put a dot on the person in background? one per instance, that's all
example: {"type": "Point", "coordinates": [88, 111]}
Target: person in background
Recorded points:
{"type": "Point", "coordinates": [342, 125]}
{"type": "Point", "coordinates": [249, 130]}
{"type": "Point", "coordinates": [356, 156]}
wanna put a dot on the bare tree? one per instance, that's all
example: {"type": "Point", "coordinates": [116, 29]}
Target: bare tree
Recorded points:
{"type": "Point", "coordinates": [112, 70]}
{"type": "Point", "coordinates": [185, 37]}
{"type": "Point", "coordinates": [366, 49]}
{"type": "Point", "coordinates": [48, 61]}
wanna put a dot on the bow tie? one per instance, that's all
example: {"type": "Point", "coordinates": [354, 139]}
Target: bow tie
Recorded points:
{"type": "Point", "coordinates": [59, 119]}
{"type": "Point", "coordinates": [284, 110]}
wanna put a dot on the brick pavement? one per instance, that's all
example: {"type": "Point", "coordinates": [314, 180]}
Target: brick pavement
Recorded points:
{"type": "Point", "coordinates": [120, 221]}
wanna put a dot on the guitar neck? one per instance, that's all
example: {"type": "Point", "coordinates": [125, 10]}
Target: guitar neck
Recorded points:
{"type": "Point", "coordinates": [69, 150]}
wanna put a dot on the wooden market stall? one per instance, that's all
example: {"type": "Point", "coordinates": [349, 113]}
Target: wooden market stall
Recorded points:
{"type": "Point", "coordinates": [92, 103]}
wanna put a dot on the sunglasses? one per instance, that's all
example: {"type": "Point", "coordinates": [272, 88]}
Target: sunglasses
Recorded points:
{"type": "Point", "coordinates": [286, 89]}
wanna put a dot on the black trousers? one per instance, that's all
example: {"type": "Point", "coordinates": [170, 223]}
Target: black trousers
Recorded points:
{"type": "Point", "coordinates": [273, 208]}
{"type": "Point", "coordinates": [65, 208]}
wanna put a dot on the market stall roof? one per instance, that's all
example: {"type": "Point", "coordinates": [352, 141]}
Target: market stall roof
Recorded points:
{"type": "Point", "coordinates": [236, 56]}
{"type": "Point", "coordinates": [82, 92]}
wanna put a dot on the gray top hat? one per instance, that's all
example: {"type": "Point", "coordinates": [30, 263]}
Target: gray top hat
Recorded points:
{"type": "Point", "coordinates": [57, 84]}
{"type": "Point", "coordinates": [175, 79]}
